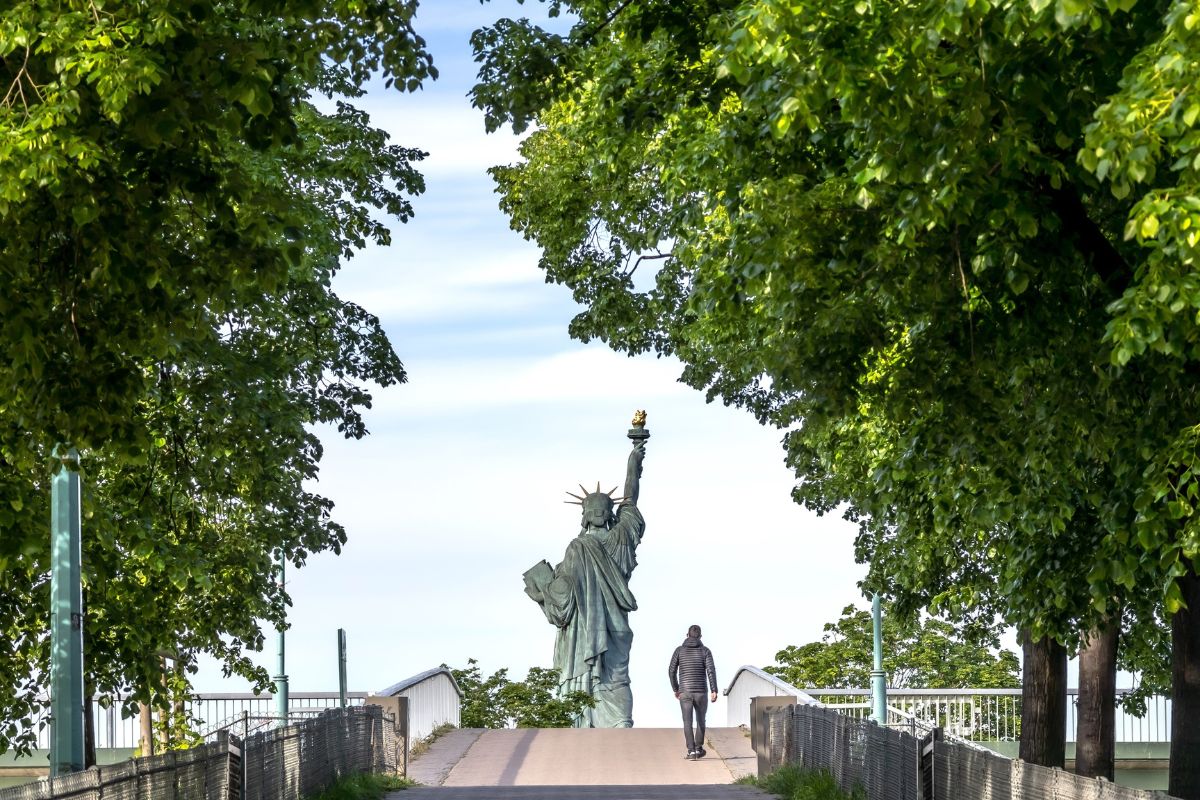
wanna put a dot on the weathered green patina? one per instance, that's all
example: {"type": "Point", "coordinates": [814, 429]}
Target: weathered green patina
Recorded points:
{"type": "Point", "coordinates": [587, 596]}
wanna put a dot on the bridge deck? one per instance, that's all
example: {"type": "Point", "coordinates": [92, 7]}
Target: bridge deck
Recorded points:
{"type": "Point", "coordinates": [592, 763]}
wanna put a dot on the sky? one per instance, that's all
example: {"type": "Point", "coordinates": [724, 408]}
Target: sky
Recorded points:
{"type": "Point", "coordinates": [460, 486]}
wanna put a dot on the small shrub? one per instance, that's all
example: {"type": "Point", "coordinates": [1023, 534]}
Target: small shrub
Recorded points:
{"type": "Point", "coordinates": [792, 783]}
{"type": "Point", "coordinates": [421, 746]}
{"type": "Point", "coordinates": [364, 786]}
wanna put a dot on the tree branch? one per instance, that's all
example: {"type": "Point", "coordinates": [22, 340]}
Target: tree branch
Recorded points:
{"type": "Point", "coordinates": [654, 257]}
{"type": "Point", "coordinates": [1114, 271]}
{"type": "Point", "coordinates": [590, 36]}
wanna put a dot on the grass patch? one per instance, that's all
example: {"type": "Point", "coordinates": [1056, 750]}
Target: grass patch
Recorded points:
{"type": "Point", "coordinates": [421, 746]}
{"type": "Point", "coordinates": [364, 786]}
{"type": "Point", "coordinates": [793, 783]}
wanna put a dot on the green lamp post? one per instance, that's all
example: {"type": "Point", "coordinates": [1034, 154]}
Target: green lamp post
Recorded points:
{"type": "Point", "coordinates": [280, 677]}
{"type": "Point", "coordinates": [878, 676]}
{"type": "Point", "coordinates": [66, 619]}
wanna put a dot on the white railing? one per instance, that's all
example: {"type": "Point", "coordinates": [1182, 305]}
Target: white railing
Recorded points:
{"type": "Point", "coordinates": [213, 710]}
{"type": "Point", "coordinates": [992, 714]}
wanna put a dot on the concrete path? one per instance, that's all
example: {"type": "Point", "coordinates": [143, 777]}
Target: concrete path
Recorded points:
{"type": "Point", "coordinates": [591, 764]}
{"type": "Point", "coordinates": [431, 767]}
{"type": "Point", "coordinates": [727, 792]}
{"type": "Point", "coordinates": [733, 745]}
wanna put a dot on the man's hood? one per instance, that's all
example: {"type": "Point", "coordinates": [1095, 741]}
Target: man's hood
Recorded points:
{"type": "Point", "coordinates": [690, 642]}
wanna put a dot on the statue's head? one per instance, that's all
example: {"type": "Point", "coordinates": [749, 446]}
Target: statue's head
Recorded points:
{"type": "Point", "coordinates": [597, 506]}
{"type": "Point", "coordinates": [597, 510]}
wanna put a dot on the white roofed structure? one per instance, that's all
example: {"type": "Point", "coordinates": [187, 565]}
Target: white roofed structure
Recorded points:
{"type": "Point", "coordinates": [434, 699]}
{"type": "Point", "coordinates": [750, 682]}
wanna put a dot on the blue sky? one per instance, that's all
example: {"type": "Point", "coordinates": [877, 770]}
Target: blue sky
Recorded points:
{"type": "Point", "coordinates": [459, 488]}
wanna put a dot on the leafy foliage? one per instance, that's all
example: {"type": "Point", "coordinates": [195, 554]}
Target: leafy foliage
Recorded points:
{"type": "Point", "coordinates": [926, 654]}
{"type": "Point", "coordinates": [793, 783]}
{"type": "Point", "coordinates": [948, 248]}
{"type": "Point", "coordinates": [365, 786]}
{"type": "Point", "coordinates": [174, 206]}
{"type": "Point", "coordinates": [498, 702]}
{"type": "Point", "coordinates": [885, 229]}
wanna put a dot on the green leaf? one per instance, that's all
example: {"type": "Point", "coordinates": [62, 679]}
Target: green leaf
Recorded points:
{"type": "Point", "coordinates": [1149, 227]}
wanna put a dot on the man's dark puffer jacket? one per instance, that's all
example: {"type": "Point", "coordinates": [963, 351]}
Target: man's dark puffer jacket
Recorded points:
{"type": "Point", "coordinates": [689, 665]}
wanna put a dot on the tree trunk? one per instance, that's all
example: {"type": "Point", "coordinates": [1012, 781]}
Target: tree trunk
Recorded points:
{"type": "Point", "coordinates": [164, 716]}
{"type": "Point", "coordinates": [1184, 779]}
{"type": "Point", "coordinates": [1043, 702]}
{"type": "Point", "coordinates": [89, 732]}
{"type": "Point", "coordinates": [146, 724]}
{"type": "Point", "coordinates": [1095, 730]}
{"type": "Point", "coordinates": [89, 691]}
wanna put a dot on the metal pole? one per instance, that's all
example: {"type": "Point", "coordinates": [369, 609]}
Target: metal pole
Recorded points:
{"type": "Point", "coordinates": [281, 678]}
{"type": "Point", "coordinates": [342, 667]}
{"type": "Point", "coordinates": [66, 621]}
{"type": "Point", "coordinates": [878, 684]}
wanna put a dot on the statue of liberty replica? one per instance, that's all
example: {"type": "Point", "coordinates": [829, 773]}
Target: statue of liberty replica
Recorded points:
{"type": "Point", "coordinates": [587, 595]}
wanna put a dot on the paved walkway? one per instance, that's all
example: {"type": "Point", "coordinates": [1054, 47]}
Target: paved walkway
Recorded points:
{"type": "Point", "coordinates": [591, 764]}
{"type": "Point", "coordinates": [431, 767]}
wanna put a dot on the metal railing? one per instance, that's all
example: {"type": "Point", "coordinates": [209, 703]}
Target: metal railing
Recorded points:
{"type": "Point", "coordinates": [281, 763]}
{"type": "Point", "coordinates": [914, 724]}
{"type": "Point", "coordinates": [992, 714]}
{"type": "Point", "coordinates": [213, 712]}
{"type": "Point", "coordinates": [886, 764]}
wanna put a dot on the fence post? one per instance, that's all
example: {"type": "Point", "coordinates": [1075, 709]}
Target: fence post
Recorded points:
{"type": "Point", "coordinates": [341, 646]}
{"type": "Point", "coordinates": [925, 764]}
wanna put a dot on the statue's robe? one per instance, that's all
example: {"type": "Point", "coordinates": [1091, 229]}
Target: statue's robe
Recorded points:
{"type": "Point", "coordinates": [589, 601]}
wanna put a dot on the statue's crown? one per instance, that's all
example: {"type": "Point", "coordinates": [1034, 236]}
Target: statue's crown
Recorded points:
{"type": "Point", "coordinates": [581, 499]}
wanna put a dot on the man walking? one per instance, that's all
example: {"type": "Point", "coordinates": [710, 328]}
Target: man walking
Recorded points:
{"type": "Point", "coordinates": [691, 664]}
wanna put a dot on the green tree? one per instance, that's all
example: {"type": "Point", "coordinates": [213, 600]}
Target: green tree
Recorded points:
{"type": "Point", "coordinates": [926, 654]}
{"type": "Point", "coordinates": [537, 703]}
{"type": "Point", "coordinates": [498, 702]}
{"type": "Point", "coordinates": [481, 704]}
{"type": "Point", "coordinates": [898, 231]}
{"type": "Point", "coordinates": [131, 190]}
{"type": "Point", "coordinates": [174, 207]}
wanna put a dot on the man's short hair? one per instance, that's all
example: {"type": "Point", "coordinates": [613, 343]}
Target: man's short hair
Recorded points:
{"type": "Point", "coordinates": [694, 632]}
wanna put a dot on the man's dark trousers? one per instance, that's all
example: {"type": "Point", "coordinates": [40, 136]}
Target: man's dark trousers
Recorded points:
{"type": "Point", "coordinates": [693, 703]}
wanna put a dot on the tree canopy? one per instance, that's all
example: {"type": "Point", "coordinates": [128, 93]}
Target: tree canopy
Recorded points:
{"type": "Point", "coordinates": [883, 227]}
{"type": "Point", "coordinates": [178, 185]}
{"type": "Point", "coordinates": [499, 702]}
{"type": "Point", "coordinates": [928, 240]}
{"type": "Point", "coordinates": [926, 654]}
{"type": "Point", "coordinates": [136, 214]}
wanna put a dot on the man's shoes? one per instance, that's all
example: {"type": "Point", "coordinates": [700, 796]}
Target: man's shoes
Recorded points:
{"type": "Point", "coordinates": [700, 752]}
{"type": "Point", "coordinates": [691, 755]}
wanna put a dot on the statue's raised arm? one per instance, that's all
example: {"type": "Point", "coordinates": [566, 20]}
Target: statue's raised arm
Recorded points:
{"type": "Point", "coordinates": [633, 473]}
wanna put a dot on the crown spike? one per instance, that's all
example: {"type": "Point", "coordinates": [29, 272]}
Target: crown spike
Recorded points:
{"type": "Point", "coordinates": [610, 491]}
{"type": "Point", "coordinates": [597, 487]}
{"type": "Point", "coordinates": [573, 502]}
{"type": "Point", "coordinates": [583, 489]}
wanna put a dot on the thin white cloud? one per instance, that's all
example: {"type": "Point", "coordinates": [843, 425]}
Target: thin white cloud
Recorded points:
{"type": "Point", "coordinates": [450, 131]}
{"type": "Point", "coordinates": [518, 268]}
{"type": "Point", "coordinates": [441, 388]}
